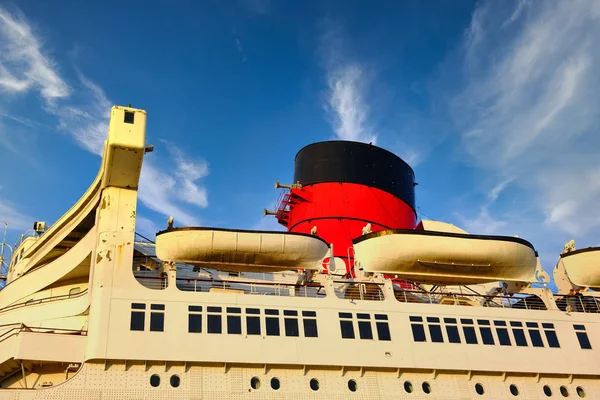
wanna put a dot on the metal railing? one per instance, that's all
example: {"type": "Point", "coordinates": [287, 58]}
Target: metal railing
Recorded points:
{"type": "Point", "coordinates": [44, 300]}
{"type": "Point", "coordinates": [529, 302]}
{"type": "Point", "coordinates": [359, 291]}
{"type": "Point", "coordinates": [577, 303]}
{"type": "Point", "coordinates": [25, 328]}
{"type": "Point", "coordinates": [251, 287]}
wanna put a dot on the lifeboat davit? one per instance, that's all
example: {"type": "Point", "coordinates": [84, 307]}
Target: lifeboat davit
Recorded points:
{"type": "Point", "coordinates": [241, 250]}
{"type": "Point", "coordinates": [583, 267]}
{"type": "Point", "coordinates": [446, 258]}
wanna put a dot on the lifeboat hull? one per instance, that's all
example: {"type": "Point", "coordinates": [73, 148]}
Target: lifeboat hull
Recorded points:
{"type": "Point", "coordinates": [241, 250]}
{"type": "Point", "coordinates": [445, 258]}
{"type": "Point", "coordinates": [583, 267]}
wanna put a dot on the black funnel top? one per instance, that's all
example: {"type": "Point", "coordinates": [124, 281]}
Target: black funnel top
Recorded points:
{"type": "Point", "coordinates": [354, 162]}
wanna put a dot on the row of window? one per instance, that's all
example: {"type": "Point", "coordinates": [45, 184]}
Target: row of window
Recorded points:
{"type": "Point", "coordinates": [256, 320]}
{"type": "Point", "coordinates": [476, 331]}
{"type": "Point", "coordinates": [364, 322]}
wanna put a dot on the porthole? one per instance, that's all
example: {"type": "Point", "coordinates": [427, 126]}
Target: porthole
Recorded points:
{"type": "Point", "coordinates": [479, 389]}
{"type": "Point", "coordinates": [154, 380]}
{"type": "Point", "coordinates": [255, 383]}
{"type": "Point", "coordinates": [174, 380]}
{"type": "Point", "coordinates": [547, 391]}
{"type": "Point", "coordinates": [426, 387]}
{"type": "Point", "coordinates": [564, 391]}
{"type": "Point", "coordinates": [514, 390]}
{"type": "Point", "coordinates": [580, 392]}
{"type": "Point", "coordinates": [352, 385]}
{"type": "Point", "coordinates": [275, 384]}
{"type": "Point", "coordinates": [314, 384]}
{"type": "Point", "coordinates": [408, 387]}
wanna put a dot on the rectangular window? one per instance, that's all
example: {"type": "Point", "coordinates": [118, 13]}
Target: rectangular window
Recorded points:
{"type": "Point", "coordinates": [435, 320]}
{"type": "Point", "coordinates": [500, 323]}
{"type": "Point", "coordinates": [418, 332]}
{"type": "Point", "coordinates": [137, 320]}
{"type": "Point", "coordinates": [195, 323]}
{"type": "Point", "coordinates": [347, 329]}
{"type": "Point", "coordinates": [452, 332]}
{"type": "Point", "coordinates": [486, 335]}
{"type": "Point", "coordinates": [483, 322]}
{"type": "Point", "coordinates": [310, 327]}
{"type": "Point", "coordinates": [466, 321]}
{"type": "Point", "coordinates": [272, 324]}
{"type": "Point", "coordinates": [215, 324]}
{"type": "Point", "coordinates": [450, 320]}
{"type": "Point", "coordinates": [547, 325]}
{"type": "Point", "coordinates": [470, 335]}
{"type": "Point", "coordinates": [345, 315]}
{"type": "Point", "coordinates": [364, 329]}
{"type": "Point", "coordinates": [157, 322]}
{"type": "Point", "coordinates": [579, 327]}
{"type": "Point", "coordinates": [252, 325]}
{"type": "Point", "coordinates": [309, 314]}
{"type": "Point", "coordinates": [503, 336]}
{"type": "Point", "coordinates": [536, 338]}
{"type": "Point", "coordinates": [552, 338]}
{"type": "Point", "coordinates": [519, 336]}
{"type": "Point", "coordinates": [195, 319]}
{"type": "Point", "coordinates": [290, 312]}
{"type": "Point", "coordinates": [252, 311]}
{"type": "Point", "coordinates": [436, 333]}
{"type": "Point", "coordinates": [157, 318]}
{"type": "Point", "coordinates": [291, 326]}
{"type": "Point", "coordinates": [414, 318]}
{"type": "Point", "coordinates": [584, 341]}
{"type": "Point", "coordinates": [213, 309]}
{"type": "Point", "coordinates": [234, 324]}
{"type": "Point", "coordinates": [383, 328]}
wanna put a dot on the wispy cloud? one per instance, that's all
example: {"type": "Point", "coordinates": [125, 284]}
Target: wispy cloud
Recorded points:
{"type": "Point", "coordinates": [83, 111]}
{"type": "Point", "coordinates": [23, 66]}
{"type": "Point", "coordinates": [529, 110]}
{"type": "Point", "coordinates": [347, 88]}
{"type": "Point", "coordinates": [10, 214]}
{"type": "Point", "coordinates": [147, 227]}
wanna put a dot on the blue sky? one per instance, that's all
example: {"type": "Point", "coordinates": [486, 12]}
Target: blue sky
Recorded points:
{"type": "Point", "coordinates": [494, 104]}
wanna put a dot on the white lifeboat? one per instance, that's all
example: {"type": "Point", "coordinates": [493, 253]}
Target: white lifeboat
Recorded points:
{"type": "Point", "coordinates": [446, 258]}
{"type": "Point", "coordinates": [583, 267]}
{"type": "Point", "coordinates": [241, 250]}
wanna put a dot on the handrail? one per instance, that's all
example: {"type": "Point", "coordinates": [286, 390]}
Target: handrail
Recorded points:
{"type": "Point", "coordinates": [310, 284]}
{"type": "Point", "coordinates": [42, 300]}
{"type": "Point", "coordinates": [24, 328]}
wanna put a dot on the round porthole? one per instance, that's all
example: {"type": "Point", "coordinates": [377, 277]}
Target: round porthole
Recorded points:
{"type": "Point", "coordinates": [314, 384]}
{"type": "Point", "coordinates": [580, 391]}
{"type": "Point", "coordinates": [275, 384]}
{"type": "Point", "coordinates": [154, 380]}
{"type": "Point", "coordinates": [514, 390]}
{"type": "Point", "coordinates": [408, 387]}
{"type": "Point", "coordinates": [174, 380]}
{"type": "Point", "coordinates": [479, 389]}
{"type": "Point", "coordinates": [352, 385]}
{"type": "Point", "coordinates": [426, 387]}
{"type": "Point", "coordinates": [564, 391]}
{"type": "Point", "coordinates": [255, 383]}
{"type": "Point", "coordinates": [547, 391]}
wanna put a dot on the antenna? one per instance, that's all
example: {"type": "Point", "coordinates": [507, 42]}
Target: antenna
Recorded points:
{"type": "Point", "coordinates": [2, 259]}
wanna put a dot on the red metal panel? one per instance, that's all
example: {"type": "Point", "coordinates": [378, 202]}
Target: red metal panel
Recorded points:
{"type": "Point", "coordinates": [340, 211]}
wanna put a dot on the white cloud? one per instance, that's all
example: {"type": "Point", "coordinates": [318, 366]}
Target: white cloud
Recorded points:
{"type": "Point", "coordinates": [16, 219]}
{"type": "Point", "coordinates": [83, 113]}
{"type": "Point", "coordinates": [147, 227]}
{"type": "Point", "coordinates": [23, 66]}
{"type": "Point", "coordinates": [347, 88]}
{"type": "Point", "coordinates": [529, 109]}
{"type": "Point", "coordinates": [499, 188]}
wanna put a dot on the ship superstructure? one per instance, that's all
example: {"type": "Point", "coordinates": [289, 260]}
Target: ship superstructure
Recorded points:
{"type": "Point", "coordinates": [357, 299]}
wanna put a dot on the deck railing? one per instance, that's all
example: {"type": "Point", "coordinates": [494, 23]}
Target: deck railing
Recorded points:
{"type": "Point", "coordinates": [251, 287]}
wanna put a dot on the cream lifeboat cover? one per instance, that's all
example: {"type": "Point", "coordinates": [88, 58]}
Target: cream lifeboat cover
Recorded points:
{"type": "Point", "coordinates": [583, 267]}
{"type": "Point", "coordinates": [445, 258]}
{"type": "Point", "coordinates": [241, 250]}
